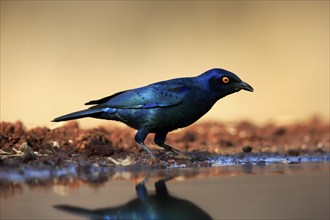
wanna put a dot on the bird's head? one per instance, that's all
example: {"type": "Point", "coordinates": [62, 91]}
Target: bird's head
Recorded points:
{"type": "Point", "coordinates": [222, 82]}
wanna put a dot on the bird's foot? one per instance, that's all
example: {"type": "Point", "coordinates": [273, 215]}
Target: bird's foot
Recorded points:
{"type": "Point", "coordinates": [182, 156]}
{"type": "Point", "coordinates": [178, 154]}
{"type": "Point", "coordinates": [175, 151]}
{"type": "Point", "coordinates": [171, 149]}
{"type": "Point", "coordinates": [149, 151]}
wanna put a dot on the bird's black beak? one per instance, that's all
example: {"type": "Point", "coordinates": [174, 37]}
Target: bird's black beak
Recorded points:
{"type": "Point", "coordinates": [244, 85]}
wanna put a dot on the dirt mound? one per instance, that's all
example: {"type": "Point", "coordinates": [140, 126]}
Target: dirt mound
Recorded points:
{"type": "Point", "coordinates": [71, 143]}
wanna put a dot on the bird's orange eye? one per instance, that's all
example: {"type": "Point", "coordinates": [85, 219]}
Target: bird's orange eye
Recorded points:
{"type": "Point", "coordinates": [225, 79]}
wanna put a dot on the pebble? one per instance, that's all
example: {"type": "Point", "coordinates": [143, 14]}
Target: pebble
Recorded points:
{"type": "Point", "coordinates": [247, 149]}
{"type": "Point", "coordinates": [27, 150]}
{"type": "Point", "coordinates": [293, 152]}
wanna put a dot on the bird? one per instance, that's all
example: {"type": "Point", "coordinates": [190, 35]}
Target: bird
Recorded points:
{"type": "Point", "coordinates": [159, 205]}
{"type": "Point", "coordinates": [163, 106]}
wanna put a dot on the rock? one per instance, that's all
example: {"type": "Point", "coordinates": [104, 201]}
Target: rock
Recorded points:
{"type": "Point", "coordinates": [247, 149]}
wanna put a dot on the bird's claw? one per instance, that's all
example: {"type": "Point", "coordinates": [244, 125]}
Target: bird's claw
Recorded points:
{"type": "Point", "coordinates": [179, 154]}
{"type": "Point", "coordinates": [183, 156]}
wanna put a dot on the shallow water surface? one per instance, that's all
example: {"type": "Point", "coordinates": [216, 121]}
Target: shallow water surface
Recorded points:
{"type": "Point", "coordinates": [275, 191]}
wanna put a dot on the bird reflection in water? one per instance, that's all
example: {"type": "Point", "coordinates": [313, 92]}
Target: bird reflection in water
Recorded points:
{"type": "Point", "coordinates": [160, 205]}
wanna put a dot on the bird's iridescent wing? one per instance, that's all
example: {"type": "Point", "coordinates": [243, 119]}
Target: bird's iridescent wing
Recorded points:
{"type": "Point", "coordinates": [155, 95]}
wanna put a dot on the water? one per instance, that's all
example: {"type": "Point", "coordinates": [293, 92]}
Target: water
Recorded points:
{"type": "Point", "coordinates": [245, 191]}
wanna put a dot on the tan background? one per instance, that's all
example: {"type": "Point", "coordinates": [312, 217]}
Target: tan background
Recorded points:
{"type": "Point", "coordinates": [55, 56]}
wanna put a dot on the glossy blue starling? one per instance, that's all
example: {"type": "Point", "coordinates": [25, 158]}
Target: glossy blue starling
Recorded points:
{"type": "Point", "coordinates": [164, 106]}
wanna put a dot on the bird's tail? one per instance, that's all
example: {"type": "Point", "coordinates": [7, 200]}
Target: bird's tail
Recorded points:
{"type": "Point", "coordinates": [78, 211]}
{"type": "Point", "coordinates": [79, 114]}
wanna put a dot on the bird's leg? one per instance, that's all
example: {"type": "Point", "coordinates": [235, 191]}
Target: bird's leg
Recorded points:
{"type": "Point", "coordinates": [160, 141]}
{"type": "Point", "coordinates": [141, 189]}
{"type": "Point", "coordinates": [140, 137]}
{"type": "Point", "coordinates": [161, 188]}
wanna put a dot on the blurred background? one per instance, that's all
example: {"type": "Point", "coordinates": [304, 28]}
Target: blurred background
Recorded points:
{"type": "Point", "coordinates": [57, 55]}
